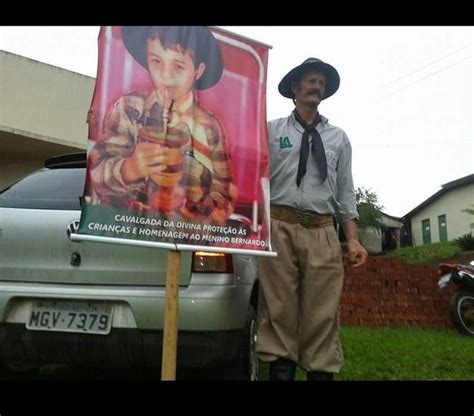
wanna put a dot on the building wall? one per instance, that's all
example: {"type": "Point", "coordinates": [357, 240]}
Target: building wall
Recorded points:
{"type": "Point", "coordinates": [371, 238]}
{"type": "Point", "coordinates": [392, 228]}
{"type": "Point", "coordinates": [45, 100]}
{"type": "Point", "coordinates": [450, 204]}
{"type": "Point", "coordinates": [390, 222]}
{"type": "Point", "coordinates": [43, 113]}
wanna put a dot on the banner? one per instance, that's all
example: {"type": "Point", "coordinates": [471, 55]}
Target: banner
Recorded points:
{"type": "Point", "coordinates": [177, 153]}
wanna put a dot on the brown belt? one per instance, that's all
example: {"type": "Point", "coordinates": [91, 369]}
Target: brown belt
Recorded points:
{"type": "Point", "coordinates": [307, 219]}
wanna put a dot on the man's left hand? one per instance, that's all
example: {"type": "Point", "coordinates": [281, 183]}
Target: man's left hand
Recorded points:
{"type": "Point", "coordinates": [356, 254]}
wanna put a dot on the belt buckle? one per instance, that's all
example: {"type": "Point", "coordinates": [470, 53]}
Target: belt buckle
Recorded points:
{"type": "Point", "coordinates": [304, 220]}
{"type": "Point", "coordinates": [292, 216]}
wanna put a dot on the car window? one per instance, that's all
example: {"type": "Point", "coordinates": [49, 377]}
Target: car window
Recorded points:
{"type": "Point", "coordinates": [46, 189]}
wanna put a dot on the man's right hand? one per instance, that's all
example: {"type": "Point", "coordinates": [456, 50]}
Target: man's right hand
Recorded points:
{"type": "Point", "coordinates": [146, 159]}
{"type": "Point", "coordinates": [356, 254]}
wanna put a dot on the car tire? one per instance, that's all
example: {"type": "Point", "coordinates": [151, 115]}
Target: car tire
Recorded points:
{"type": "Point", "coordinates": [245, 365]}
{"type": "Point", "coordinates": [461, 311]}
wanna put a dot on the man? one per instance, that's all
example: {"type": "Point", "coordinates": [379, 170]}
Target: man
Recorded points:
{"type": "Point", "coordinates": [311, 182]}
{"type": "Point", "coordinates": [133, 162]}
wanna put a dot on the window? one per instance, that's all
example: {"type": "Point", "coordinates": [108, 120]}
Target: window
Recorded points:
{"type": "Point", "coordinates": [46, 189]}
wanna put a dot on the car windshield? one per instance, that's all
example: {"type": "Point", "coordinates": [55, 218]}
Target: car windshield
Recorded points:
{"type": "Point", "coordinates": [46, 189]}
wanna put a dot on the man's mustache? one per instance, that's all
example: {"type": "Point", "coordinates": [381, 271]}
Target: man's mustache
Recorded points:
{"type": "Point", "coordinates": [317, 92]}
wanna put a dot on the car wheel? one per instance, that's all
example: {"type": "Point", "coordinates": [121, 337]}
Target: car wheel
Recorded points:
{"type": "Point", "coordinates": [245, 365]}
{"type": "Point", "coordinates": [461, 312]}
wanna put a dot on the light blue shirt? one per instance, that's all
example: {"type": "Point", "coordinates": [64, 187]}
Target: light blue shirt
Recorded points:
{"type": "Point", "coordinates": [336, 195]}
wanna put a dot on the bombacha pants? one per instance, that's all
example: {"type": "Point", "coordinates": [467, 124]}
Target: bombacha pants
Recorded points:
{"type": "Point", "coordinates": [300, 290]}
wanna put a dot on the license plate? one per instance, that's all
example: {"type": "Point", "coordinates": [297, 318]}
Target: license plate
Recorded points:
{"type": "Point", "coordinates": [82, 317]}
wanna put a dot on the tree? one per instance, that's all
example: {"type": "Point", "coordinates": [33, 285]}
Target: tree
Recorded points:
{"type": "Point", "coordinates": [369, 209]}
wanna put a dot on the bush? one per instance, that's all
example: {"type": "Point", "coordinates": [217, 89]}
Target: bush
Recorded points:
{"type": "Point", "coordinates": [427, 253]}
{"type": "Point", "coordinates": [466, 242]}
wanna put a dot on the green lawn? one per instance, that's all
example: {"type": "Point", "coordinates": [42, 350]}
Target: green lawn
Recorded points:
{"type": "Point", "coordinates": [402, 354]}
{"type": "Point", "coordinates": [427, 253]}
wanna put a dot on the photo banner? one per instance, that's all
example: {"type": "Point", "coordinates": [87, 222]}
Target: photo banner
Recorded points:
{"type": "Point", "coordinates": [177, 153]}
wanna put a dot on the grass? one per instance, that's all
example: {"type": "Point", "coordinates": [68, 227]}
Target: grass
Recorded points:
{"type": "Point", "coordinates": [383, 353]}
{"type": "Point", "coordinates": [427, 253]}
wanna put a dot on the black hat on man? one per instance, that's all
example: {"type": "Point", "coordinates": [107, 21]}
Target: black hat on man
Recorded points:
{"type": "Point", "coordinates": [332, 77]}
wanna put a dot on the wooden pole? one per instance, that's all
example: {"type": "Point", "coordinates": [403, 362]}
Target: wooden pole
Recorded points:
{"type": "Point", "coordinates": [170, 329]}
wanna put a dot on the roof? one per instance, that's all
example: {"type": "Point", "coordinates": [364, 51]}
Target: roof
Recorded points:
{"type": "Point", "coordinates": [36, 62]}
{"type": "Point", "coordinates": [392, 217]}
{"type": "Point", "coordinates": [466, 180]}
{"type": "Point", "coordinates": [449, 186]}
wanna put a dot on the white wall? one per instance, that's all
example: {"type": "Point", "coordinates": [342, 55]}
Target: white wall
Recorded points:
{"type": "Point", "coordinates": [371, 238]}
{"type": "Point", "coordinates": [450, 204]}
{"type": "Point", "coordinates": [49, 102]}
{"type": "Point", "coordinates": [43, 113]}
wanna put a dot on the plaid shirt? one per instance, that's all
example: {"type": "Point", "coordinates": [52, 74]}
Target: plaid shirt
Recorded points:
{"type": "Point", "coordinates": [207, 185]}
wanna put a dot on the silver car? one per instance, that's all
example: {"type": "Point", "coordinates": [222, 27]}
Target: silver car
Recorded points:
{"type": "Point", "coordinates": [101, 304]}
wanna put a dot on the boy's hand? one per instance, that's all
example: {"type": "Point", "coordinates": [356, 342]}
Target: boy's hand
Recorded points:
{"type": "Point", "coordinates": [146, 159]}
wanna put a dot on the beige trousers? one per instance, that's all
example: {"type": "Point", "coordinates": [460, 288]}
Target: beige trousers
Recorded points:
{"type": "Point", "coordinates": [300, 290]}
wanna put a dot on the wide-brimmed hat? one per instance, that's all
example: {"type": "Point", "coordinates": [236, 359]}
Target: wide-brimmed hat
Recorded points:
{"type": "Point", "coordinates": [332, 77]}
{"type": "Point", "coordinates": [198, 39]}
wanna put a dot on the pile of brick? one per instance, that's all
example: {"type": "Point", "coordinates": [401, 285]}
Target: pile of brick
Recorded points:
{"type": "Point", "coordinates": [390, 292]}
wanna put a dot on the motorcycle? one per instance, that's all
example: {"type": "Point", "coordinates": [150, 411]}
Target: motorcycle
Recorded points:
{"type": "Point", "coordinates": [461, 308]}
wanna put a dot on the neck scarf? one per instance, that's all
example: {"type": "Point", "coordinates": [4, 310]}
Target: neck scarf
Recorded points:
{"type": "Point", "coordinates": [317, 149]}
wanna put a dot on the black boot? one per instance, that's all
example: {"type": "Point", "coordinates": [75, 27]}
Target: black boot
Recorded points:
{"type": "Point", "coordinates": [282, 370]}
{"type": "Point", "coordinates": [319, 376]}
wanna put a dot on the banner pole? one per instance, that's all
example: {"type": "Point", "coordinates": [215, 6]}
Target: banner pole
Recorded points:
{"type": "Point", "coordinates": [170, 329]}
